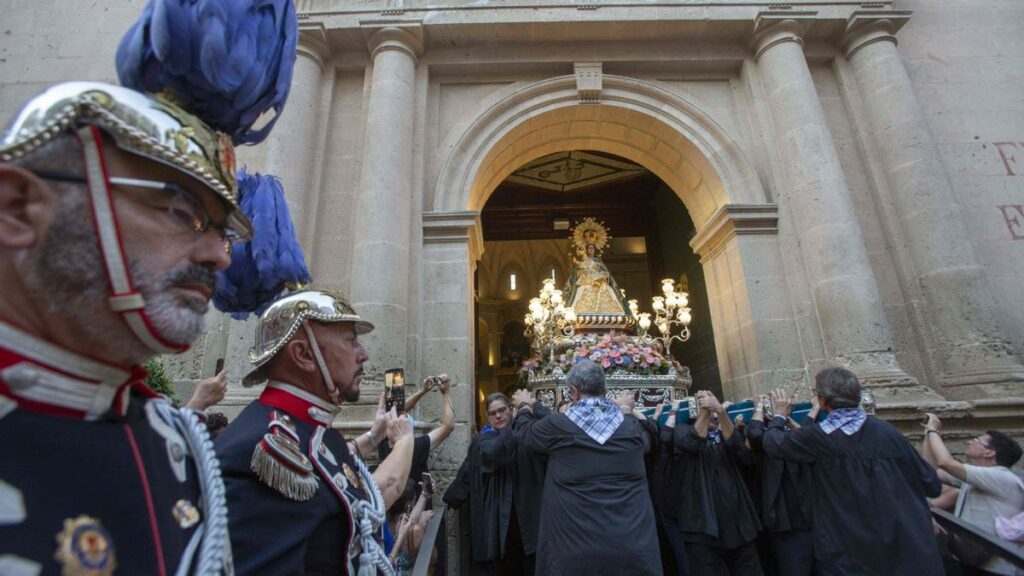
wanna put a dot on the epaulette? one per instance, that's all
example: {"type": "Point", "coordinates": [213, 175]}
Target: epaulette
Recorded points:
{"type": "Point", "coordinates": [279, 462]}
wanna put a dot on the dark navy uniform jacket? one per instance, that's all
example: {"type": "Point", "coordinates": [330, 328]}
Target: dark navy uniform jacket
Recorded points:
{"type": "Point", "coordinates": [271, 532]}
{"type": "Point", "coordinates": [96, 471]}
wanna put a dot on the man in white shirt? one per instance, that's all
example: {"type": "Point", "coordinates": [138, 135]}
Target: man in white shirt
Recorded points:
{"type": "Point", "coordinates": [988, 488]}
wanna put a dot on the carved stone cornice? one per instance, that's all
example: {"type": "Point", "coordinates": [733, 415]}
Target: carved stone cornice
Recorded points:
{"type": "Point", "coordinates": [455, 228]}
{"type": "Point", "coordinates": [774, 27]}
{"type": "Point", "coordinates": [734, 220]}
{"type": "Point", "coordinates": [313, 43]}
{"type": "Point", "coordinates": [866, 27]}
{"type": "Point", "coordinates": [404, 35]}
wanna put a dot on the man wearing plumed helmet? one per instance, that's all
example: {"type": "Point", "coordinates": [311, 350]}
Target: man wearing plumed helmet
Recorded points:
{"type": "Point", "coordinates": [117, 208]}
{"type": "Point", "coordinates": [300, 500]}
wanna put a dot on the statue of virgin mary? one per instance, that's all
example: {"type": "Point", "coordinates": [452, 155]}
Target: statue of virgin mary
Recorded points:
{"type": "Point", "coordinates": [591, 288]}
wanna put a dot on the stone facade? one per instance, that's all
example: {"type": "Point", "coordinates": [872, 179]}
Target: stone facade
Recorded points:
{"type": "Point", "coordinates": [855, 173]}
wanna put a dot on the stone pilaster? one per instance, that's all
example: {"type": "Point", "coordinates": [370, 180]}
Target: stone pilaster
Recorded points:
{"type": "Point", "coordinates": [854, 328]}
{"type": "Point", "coordinates": [384, 207]}
{"type": "Point", "coordinates": [452, 244]}
{"type": "Point", "coordinates": [971, 357]}
{"type": "Point", "coordinates": [756, 336]}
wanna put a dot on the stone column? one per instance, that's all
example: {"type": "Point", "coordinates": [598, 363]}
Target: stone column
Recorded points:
{"type": "Point", "coordinates": [854, 328]}
{"type": "Point", "coordinates": [380, 275]}
{"type": "Point", "coordinates": [972, 358]}
{"type": "Point", "coordinates": [292, 154]}
{"type": "Point", "coordinates": [293, 149]}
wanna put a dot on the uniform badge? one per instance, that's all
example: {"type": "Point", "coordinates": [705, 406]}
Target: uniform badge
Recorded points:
{"type": "Point", "coordinates": [185, 513]}
{"type": "Point", "coordinates": [84, 548]}
{"type": "Point", "coordinates": [353, 477]}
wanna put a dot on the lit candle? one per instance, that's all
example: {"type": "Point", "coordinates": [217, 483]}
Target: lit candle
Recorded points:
{"type": "Point", "coordinates": [684, 316]}
{"type": "Point", "coordinates": [535, 304]}
{"type": "Point", "coordinates": [645, 321]}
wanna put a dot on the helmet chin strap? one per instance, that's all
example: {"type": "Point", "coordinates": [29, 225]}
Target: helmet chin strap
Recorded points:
{"type": "Point", "coordinates": [124, 299]}
{"type": "Point", "coordinates": [332, 390]}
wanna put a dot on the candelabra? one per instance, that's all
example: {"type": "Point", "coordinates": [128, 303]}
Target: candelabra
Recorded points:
{"type": "Point", "coordinates": [670, 311]}
{"type": "Point", "coordinates": [549, 318]}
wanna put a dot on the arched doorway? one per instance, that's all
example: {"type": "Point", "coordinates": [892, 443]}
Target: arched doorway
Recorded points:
{"type": "Point", "coordinates": [735, 222]}
{"type": "Point", "coordinates": [526, 227]}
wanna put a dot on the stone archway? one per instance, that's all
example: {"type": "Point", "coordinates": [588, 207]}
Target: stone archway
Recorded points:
{"type": "Point", "coordinates": [736, 224]}
{"type": "Point", "coordinates": [635, 119]}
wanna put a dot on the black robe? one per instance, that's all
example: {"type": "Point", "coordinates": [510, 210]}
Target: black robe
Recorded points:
{"type": "Point", "coordinates": [780, 485]}
{"type": "Point", "coordinates": [518, 476]}
{"type": "Point", "coordinates": [596, 514]}
{"type": "Point", "coordinates": [473, 486]}
{"type": "Point", "coordinates": [659, 462]}
{"type": "Point", "coordinates": [868, 490]}
{"type": "Point", "coordinates": [712, 503]}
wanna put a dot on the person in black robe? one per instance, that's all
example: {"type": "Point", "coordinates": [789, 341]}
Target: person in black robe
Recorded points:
{"type": "Point", "coordinates": [868, 485]}
{"type": "Point", "coordinates": [784, 514]}
{"type": "Point", "coordinates": [596, 513]}
{"type": "Point", "coordinates": [502, 482]}
{"type": "Point", "coordinates": [472, 486]}
{"type": "Point", "coordinates": [659, 478]}
{"type": "Point", "coordinates": [519, 475]}
{"type": "Point", "coordinates": [715, 513]}
{"type": "Point", "coordinates": [749, 466]}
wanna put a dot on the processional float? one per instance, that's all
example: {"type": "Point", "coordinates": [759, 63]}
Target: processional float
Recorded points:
{"type": "Point", "coordinates": [591, 318]}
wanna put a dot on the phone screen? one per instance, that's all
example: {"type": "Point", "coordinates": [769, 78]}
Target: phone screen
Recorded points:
{"type": "Point", "coordinates": [394, 389]}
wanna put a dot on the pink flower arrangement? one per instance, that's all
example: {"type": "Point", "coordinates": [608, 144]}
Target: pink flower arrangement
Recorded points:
{"type": "Point", "coordinates": [615, 352]}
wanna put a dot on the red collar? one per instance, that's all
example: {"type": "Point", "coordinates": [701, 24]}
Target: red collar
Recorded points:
{"type": "Point", "coordinates": [41, 377]}
{"type": "Point", "coordinates": [298, 403]}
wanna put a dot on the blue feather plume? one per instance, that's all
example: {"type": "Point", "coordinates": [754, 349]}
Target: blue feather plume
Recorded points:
{"type": "Point", "coordinates": [261, 267]}
{"type": "Point", "coordinates": [226, 61]}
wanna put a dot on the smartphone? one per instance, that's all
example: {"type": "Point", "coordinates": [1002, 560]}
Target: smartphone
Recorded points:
{"type": "Point", "coordinates": [394, 390]}
{"type": "Point", "coordinates": [428, 483]}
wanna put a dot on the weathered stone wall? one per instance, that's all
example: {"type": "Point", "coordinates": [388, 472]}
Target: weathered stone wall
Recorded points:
{"type": "Point", "coordinates": [966, 60]}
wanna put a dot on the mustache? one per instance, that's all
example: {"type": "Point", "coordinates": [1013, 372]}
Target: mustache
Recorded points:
{"type": "Point", "coordinates": [191, 274]}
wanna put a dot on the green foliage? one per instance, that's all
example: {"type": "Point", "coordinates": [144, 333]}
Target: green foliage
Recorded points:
{"type": "Point", "coordinates": [158, 379]}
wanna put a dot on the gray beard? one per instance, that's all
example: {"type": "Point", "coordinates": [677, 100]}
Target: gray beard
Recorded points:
{"type": "Point", "coordinates": [66, 275]}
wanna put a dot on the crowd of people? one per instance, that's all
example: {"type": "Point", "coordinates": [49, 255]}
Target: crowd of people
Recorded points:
{"type": "Point", "coordinates": [599, 488]}
{"type": "Point", "coordinates": [121, 217]}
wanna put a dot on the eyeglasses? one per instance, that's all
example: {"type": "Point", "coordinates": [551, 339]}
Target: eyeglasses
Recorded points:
{"type": "Point", "coordinates": [979, 442]}
{"type": "Point", "coordinates": [181, 206]}
{"type": "Point", "coordinates": [497, 411]}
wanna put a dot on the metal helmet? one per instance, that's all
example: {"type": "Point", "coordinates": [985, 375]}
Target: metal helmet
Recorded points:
{"type": "Point", "coordinates": [141, 124]}
{"type": "Point", "coordinates": [286, 316]}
